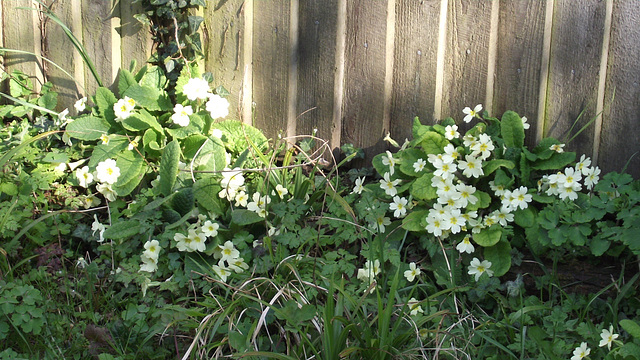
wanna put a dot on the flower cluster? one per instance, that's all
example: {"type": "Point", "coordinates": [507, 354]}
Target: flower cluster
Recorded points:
{"type": "Point", "coordinates": [106, 174]}
{"type": "Point", "coordinates": [197, 235]}
{"type": "Point", "coordinates": [566, 184]}
{"type": "Point", "coordinates": [369, 272]}
{"type": "Point", "coordinates": [229, 260]}
{"type": "Point", "coordinates": [607, 337]}
{"type": "Point", "coordinates": [150, 256]}
{"type": "Point", "coordinates": [198, 89]}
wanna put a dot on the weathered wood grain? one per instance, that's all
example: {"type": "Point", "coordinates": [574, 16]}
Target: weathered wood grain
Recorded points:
{"type": "Point", "coordinates": [22, 32]}
{"type": "Point", "coordinates": [222, 40]}
{"type": "Point", "coordinates": [271, 61]}
{"type": "Point", "coordinates": [101, 46]}
{"type": "Point", "coordinates": [573, 75]}
{"type": "Point", "coordinates": [58, 48]}
{"type": "Point", "coordinates": [620, 136]}
{"type": "Point", "coordinates": [414, 71]}
{"type": "Point", "coordinates": [316, 61]}
{"type": "Point", "coordinates": [363, 102]}
{"type": "Point", "coordinates": [135, 37]}
{"type": "Point", "coordinates": [467, 54]}
{"type": "Point", "coordinates": [518, 60]}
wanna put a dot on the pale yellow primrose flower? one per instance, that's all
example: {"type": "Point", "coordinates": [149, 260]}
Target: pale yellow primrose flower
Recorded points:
{"type": "Point", "coordinates": [413, 271]}
{"type": "Point", "coordinates": [478, 268]}
{"type": "Point", "coordinates": [217, 106]}
{"type": "Point", "coordinates": [607, 337]}
{"type": "Point", "coordinates": [472, 113]}
{"type": "Point", "coordinates": [581, 352]}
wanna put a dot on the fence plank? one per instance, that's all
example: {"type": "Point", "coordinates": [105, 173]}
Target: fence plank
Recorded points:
{"type": "Point", "coordinates": [136, 43]}
{"type": "Point", "coordinates": [99, 42]}
{"type": "Point", "coordinates": [271, 66]}
{"type": "Point", "coordinates": [223, 49]}
{"type": "Point", "coordinates": [316, 61]}
{"type": "Point", "coordinates": [620, 136]}
{"type": "Point", "coordinates": [58, 48]}
{"type": "Point", "coordinates": [465, 75]}
{"type": "Point", "coordinates": [363, 103]}
{"type": "Point", "coordinates": [22, 33]}
{"type": "Point", "coordinates": [414, 72]}
{"type": "Point", "coordinates": [573, 76]}
{"type": "Point", "coordinates": [518, 60]}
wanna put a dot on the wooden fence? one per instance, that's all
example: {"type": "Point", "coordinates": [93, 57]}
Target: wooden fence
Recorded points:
{"type": "Point", "coordinates": [357, 69]}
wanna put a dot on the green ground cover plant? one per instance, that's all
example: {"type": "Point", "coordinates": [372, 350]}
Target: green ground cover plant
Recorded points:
{"type": "Point", "coordinates": [144, 223]}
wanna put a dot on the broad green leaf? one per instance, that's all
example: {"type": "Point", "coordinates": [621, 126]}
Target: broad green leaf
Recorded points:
{"type": "Point", "coordinates": [415, 220]}
{"type": "Point", "coordinates": [237, 134]}
{"type": "Point", "coordinates": [492, 165]}
{"type": "Point", "coordinates": [150, 141]}
{"type": "Point", "coordinates": [88, 128]}
{"type": "Point", "coordinates": [632, 327]}
{"type": "Point", "coordinates": [433, 142]}
{"type": "Point", "coordinates": [48, 100]}
{"type": "Point", "coordinates": [125, 80]}
{"type": "Point", "coordinates": [500, 257]}
{"type": "Point", "coordinates": [484, 200]}
{"type": "Point", "coordinates": [131, 166]}
{"type": "Point", "coordinates": [191, 145]}
{"type": "Point", "coordinates": [409, 157]}
{"type": "Point", "coordinates": [206, 191]}
{"type": "Point", "coordinates": [418, 129]}
{"type": "Point", "coordinates": [150, 98]}
{"type": "Point", "coordinates": [244, 217]}
{"type": "Point", "coordinates": [525, 217]}
{"type": "Point", "coordinates": [102, 152]}
{"type": "Point", "coordinates": [598, 245]}
{"type": "Point", "coordinates": [122, 229]}
{"type": "Point", "coordinates": [169, 167]}
{"type": "Point", "coordinates": [422, 189]}
{"type": "Point", "coordinates": [512, 130]}
{"type": "Point", "coordinates": [211, 156]}
{"type": "Point", "coordinates": [105, 100]}
{"type": "Point", "coordinates": [555, 162]}
{"type": "Point", "coordinates": [488, 237]}
{"type": "Point", "coordinates": [196, 125]}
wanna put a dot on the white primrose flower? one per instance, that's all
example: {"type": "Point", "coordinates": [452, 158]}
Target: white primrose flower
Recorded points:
{"type": "Point", "coordinates": [81, 104]}
{"type": "Point", "coordinates": [559, 148]}
{"type": "Point", "coordinates": [412, 273]}
{"type": "Point", "coordinates": [181, 114]}
{"type": "Point", "coordinates": [197, 240]}
{"type": "Point", "coordinates": [369, 272]}
{"type": "Point", "coordinates": [399, 206]}
{"type": "Point", "coordinates": [419, 165]}
{"type": "Point", "coordinates": [196, 88]}
{"type": "Point", "coordinates": [465, 245]}
{"type": "Point", "coordinates": [183, 243]}
{"type": "Point", "coordinates": [85, 178]}
{"type": "Point", "coordinates": [217, 106]}
{"type": "Point", "coordinates": [241, 199]}
{"type": "Point", "coordinates": [380, 223]}
{"type": "Point", "coordinates": [414, 307]}
{"type": "Point", "coordinates": [389, 161]}
{"type": "Point", "coordinates": [210, 229]}
{"type": "Point", "coordinates": [357, 189]}
{"type": "Point", "coordinates": [123, 108]}
{"type": "Point", "coordinates": [152, 249]}
{"type": "Point", "coordinates": [238, 265]}
{"type": "Point", "coordinates": [388, 185]}
{"type": "Point", "coordinates": [107, 191]}
{"type": "Point", "coordinates": [281, 191]}
{"type": "Point", "coordinates": [483, 146]}
{"type": "Point", "coordinates": [62, 117]}
{"type": "Point", "coordinates": [99, 227]}
{"type": "Point", "coordinates": [148, 264]}
{"type": "Point", "coordinates": [470, 114]}
{"type": "Point", "coordinates": [477, 268]}
{"type": "Point", "coordinates": [217, 133]}
{"type": "Point", "coordinates": [583, 165]}
{"type": "Point", "coordinates": [581, 352]}
{"type": "Point", "coordinates": [107, 171]}
{"type": "Point", "coordinates": [444, 169]}
{"type": "Point", "coordinates": [525, 125]}
{"type": "Point", "coordinates": [222, 272]}
{"type": "Point", "coordinates": [466, 194]}
{"type": "Point", "coordinates": [91, 201]}
{"type": "Point", "coordinates": [607, 337]}
{"type": "Point", "coordinates": [454, 221]}
{"type": "Point", "coordinates": [451, 132]}
{"type": "Point", "coordinates": [591, 177]}
{"type": "Point", "coordinates": [435, 223]}
{"type": "Point", "coordinates": [228, 252]}
{"type": "Point", "coordinates": [471, 166]}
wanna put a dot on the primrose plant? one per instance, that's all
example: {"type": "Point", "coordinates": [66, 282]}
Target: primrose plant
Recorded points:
{"type": "Point", "coordinates": [475, 192]}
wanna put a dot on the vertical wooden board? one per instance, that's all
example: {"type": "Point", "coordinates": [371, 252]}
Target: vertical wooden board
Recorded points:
{"type": "Point", "coordinates": [364, 77]}
{"type": "Point", "coordinates": [518, 60]}
{"type": "Point", "coordinates": [576, 46]}
{"type": "Point", "coordinates": [316, 62]}
{"type": "Point", "coordinates": [271, 61]}
{"type": "Point", "coordinates": [58, 48]}
{"type": "Point", "coordinates": [416, 47]}
{"type": "Point", "coordinates": [136, 43]}
{"type": "Point", "coordinates": [620, 136]}
{"type": "Point", "coordinates": [222, 42]}
{"type": "Point", "coordinates": [22, 33]}
{"type": "Point", "coordinates": [98, 42]}
{"type": "Point", "coordinates": [465, 69]}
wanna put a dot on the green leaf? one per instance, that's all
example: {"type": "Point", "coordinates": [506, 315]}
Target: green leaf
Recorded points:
{"type": "Point", "coordinates": [631, 327]}
{"type": "Point", "coordinates": [212, 155]}
{"type": "Point", "coordinates": [415, 220]}
{"type": "Point", "coordinates": [125, 81]}
{"type": "Point", "coordinates": [150, 141]}
{"type": "Point", "coordinates": [183, 201]}
{"type": "Point", "coordinates": [102, 152]}
{"type": "Point", "coordinates": [500, 257]}
{"type": "Point", "coordinates": [88, 128]}
{"type": "Point", "coordinates": [512, 130]}
{"type": "Point", "coordinates": [191, 145]}
{"type": "Point", "coordinates": [484, 200]}
{"type": "Point", "coordinates": [150, 98]}
{"type": "Point", "coordinates": [598, 245]}
{"type": "Point", "coordinates": [48, 100]}
{"type": "Point", "coordinates": [418, 129]}
{"type": "Point", "coordinates": [237, 134]}
{"type": "Point", "coordinates": [105, 100]}
{"type": "Point", "coordinates": [492, 165]}
{"type": "Point", "coordinates": [131, 166]}
{"type": "Point", "coordinates": [169, 167]}
{"type": "Point", "coordinates": [525, 217]}
{"type": "Point", "coordinates": [196, 126]}
{"type": "Point", "coordinates": [422, 189]}
{"type": "Point", "coordinates": [433, 142]}
{"type": "Point", "coordinates": [206, 191]}
{"type": "Point", "coordinates": [488, 237]}
{"type": "Point", "coordinates": [244, 217]}
{"type": "Point", "coordinates": [122, 229]}
{"type": "Point", "coordinates": [555, 162]}
{"type": "Point", "coordinates": [408, 157]}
